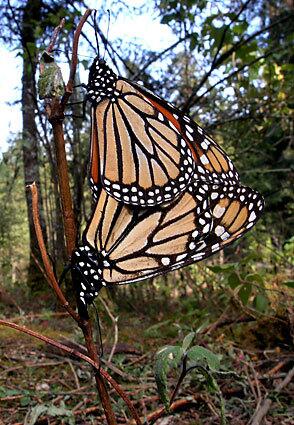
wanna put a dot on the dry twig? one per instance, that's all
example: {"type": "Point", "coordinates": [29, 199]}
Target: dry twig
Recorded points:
{"type": "Point", "coordinates": [114, 321]}
{"type": "Point", "coordinates": [265, 405]}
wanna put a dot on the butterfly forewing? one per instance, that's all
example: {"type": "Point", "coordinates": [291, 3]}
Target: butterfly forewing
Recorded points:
{"type": "Point", "coordinates": [145, 149]}
{"type": "Point", "coordinates": [212, 165]}
{"type": "Point", "coordinates": [143, 159]}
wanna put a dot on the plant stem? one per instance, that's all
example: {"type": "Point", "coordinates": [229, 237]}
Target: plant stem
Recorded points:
{"type": "Point", "coordinates": [55, 111]}
{"type": "Point", "coordinates": [78, 354]}
{"type": "Point", "coordinates": [63, 178]}
{"type": "Point", "coordinates": [100, 384]}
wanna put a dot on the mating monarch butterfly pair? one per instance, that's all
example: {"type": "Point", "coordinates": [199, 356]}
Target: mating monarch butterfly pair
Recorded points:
{"type": "Point", "coordinates": [166, 195]}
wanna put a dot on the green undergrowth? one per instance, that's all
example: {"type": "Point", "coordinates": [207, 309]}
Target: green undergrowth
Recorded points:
{"type": "Point", "coordinates": [38, 381]}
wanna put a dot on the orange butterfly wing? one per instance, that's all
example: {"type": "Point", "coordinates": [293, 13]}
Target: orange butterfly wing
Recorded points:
{"type": "Point", "coordinates": [122, 244]}
{"type": "Point", "coordinates": [146, 150]}
{"type": "Point", "coordinates": [212, 165]}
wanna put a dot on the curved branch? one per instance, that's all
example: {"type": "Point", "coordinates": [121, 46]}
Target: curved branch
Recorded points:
{"type": "Point", "coordinates": [225, 56]}
{"type": "Point", "coordinates": [226, 30]}
{"type": "Point", "coordinates": [81, 356]}
{"type": "Point", "coordinates": [74, 58]}
{"type": "Point", "coordinates": [50, 277]}
{"type": "Point", "coordinates": [232, 74]}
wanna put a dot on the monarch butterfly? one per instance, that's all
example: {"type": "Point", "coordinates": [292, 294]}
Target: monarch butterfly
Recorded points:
{"type": "Point", "coordinates": [144, 151]}
{"type": "Point", "coordinates": [124, 244]}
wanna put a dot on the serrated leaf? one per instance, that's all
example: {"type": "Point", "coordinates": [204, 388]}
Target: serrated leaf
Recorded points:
{"type": "Point", "coordinates": [203, 356]}
{"type": "Point", "coordinates": [166, 358]}
{"type": "Point", "coordinates": [187, 341]}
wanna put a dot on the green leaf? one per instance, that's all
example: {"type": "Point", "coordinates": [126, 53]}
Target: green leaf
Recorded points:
{"type": "Point", "coordinates": [85, 64]}
{"type": "Point", "coordinates": [187, 341]}
{"type": "Point", "coordinates": [167, 18]}
{"type": "Point", "coordinates": [260, 303]}
{"type": "Point", "coordinates": [216, 33]}
{"type": "Point", "coordinates": [245, 292]}
{"type": "Point", "coordinates": [193, 41]}
{"type": "Point", "coordinates": [25, 401]}
{"type": "Point", "coordinates": [289, 283]}
{"type": "Point", "coordinates": [167, 358]}
{"type": "Point", "coordinates": [222, 268]}
{"type": "Point", "coordinates": [33, 415]}
{"type": "Point", "coordinates": [240, 28]}
{"type": "Point", "coordinates": [60, 412]}
{"type": "Point", "coordinates": [255, 277]}
{"type": "Point", "coordinates": [201, 355]}
{"type": "Point", "coordinates": [6, 392]}
{"type": "Point", "coordinates": [233, 280]}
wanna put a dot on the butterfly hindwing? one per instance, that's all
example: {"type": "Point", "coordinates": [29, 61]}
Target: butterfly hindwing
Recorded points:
{"type": "Point", "coordinates": [126, 244]}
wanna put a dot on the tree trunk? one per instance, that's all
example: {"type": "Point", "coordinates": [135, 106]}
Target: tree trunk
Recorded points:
{"type": "Point", "coordinates": [31, 14]}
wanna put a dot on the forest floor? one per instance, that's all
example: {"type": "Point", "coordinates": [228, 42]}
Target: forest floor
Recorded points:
{"type": "Point", "coordinates": [40, 385]}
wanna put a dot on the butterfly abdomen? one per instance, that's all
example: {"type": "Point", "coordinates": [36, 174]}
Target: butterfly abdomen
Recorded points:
{"type": "Point", "coordinates": [86, 274]}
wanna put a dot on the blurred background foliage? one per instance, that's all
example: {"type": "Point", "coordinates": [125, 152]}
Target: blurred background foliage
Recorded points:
{"type": "Point", "coordinates": [231, 68]}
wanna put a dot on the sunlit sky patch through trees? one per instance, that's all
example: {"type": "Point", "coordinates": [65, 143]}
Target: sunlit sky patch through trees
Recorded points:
{"type": "Point", "coordinates": [145, 29]}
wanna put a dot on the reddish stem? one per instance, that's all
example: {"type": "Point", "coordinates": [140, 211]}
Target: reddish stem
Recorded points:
{"type": "Point", "coordinates": [78, 354]}
{"type": "Point", "coordinates": [55, 110]}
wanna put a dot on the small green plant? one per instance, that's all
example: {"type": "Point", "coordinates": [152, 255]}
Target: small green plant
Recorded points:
{"type": "Point", "coordinates": [187, 359]}
{"type": "Point", "coordinates": [247, 284]}
{"type": "Point", "coordinates": [58, 412]}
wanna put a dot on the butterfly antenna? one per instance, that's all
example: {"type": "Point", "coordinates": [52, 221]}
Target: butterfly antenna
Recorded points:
{"type": "Point", "coordinates": [99, 330]}
{"type": "Point", "coordinates": [96, 31]}
{"type": "Point", "coordinates": [107, 32]}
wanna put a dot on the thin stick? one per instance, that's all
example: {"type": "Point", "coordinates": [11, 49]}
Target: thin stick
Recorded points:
{"type": "Point", "coordinates": [78, 354]}
{"type": "Point", "coordinates": [64, 186]}
{"type": "Point", "coordinates": [76, 379]}
{"type": "Point", "coordinates": [55, 110]}
{"type": "Point", "coordinates": [266, 404]}
{"type": "Point", "coordinates": [55, 35]}
{"type": "Point", "coordinates": [74, 58]}
{"type": "Point", "coordinates": [85, 326]}
{"type": "Point", "coordinates": [177, 405]}
{"type": "Point", "coordinates": [46, 261]}
{"type": "Point", "coordinates": [114, 321]}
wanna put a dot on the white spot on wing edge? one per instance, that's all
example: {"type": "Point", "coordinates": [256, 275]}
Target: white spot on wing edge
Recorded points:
{"type": "Point", "coordinates": [165, 261]}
